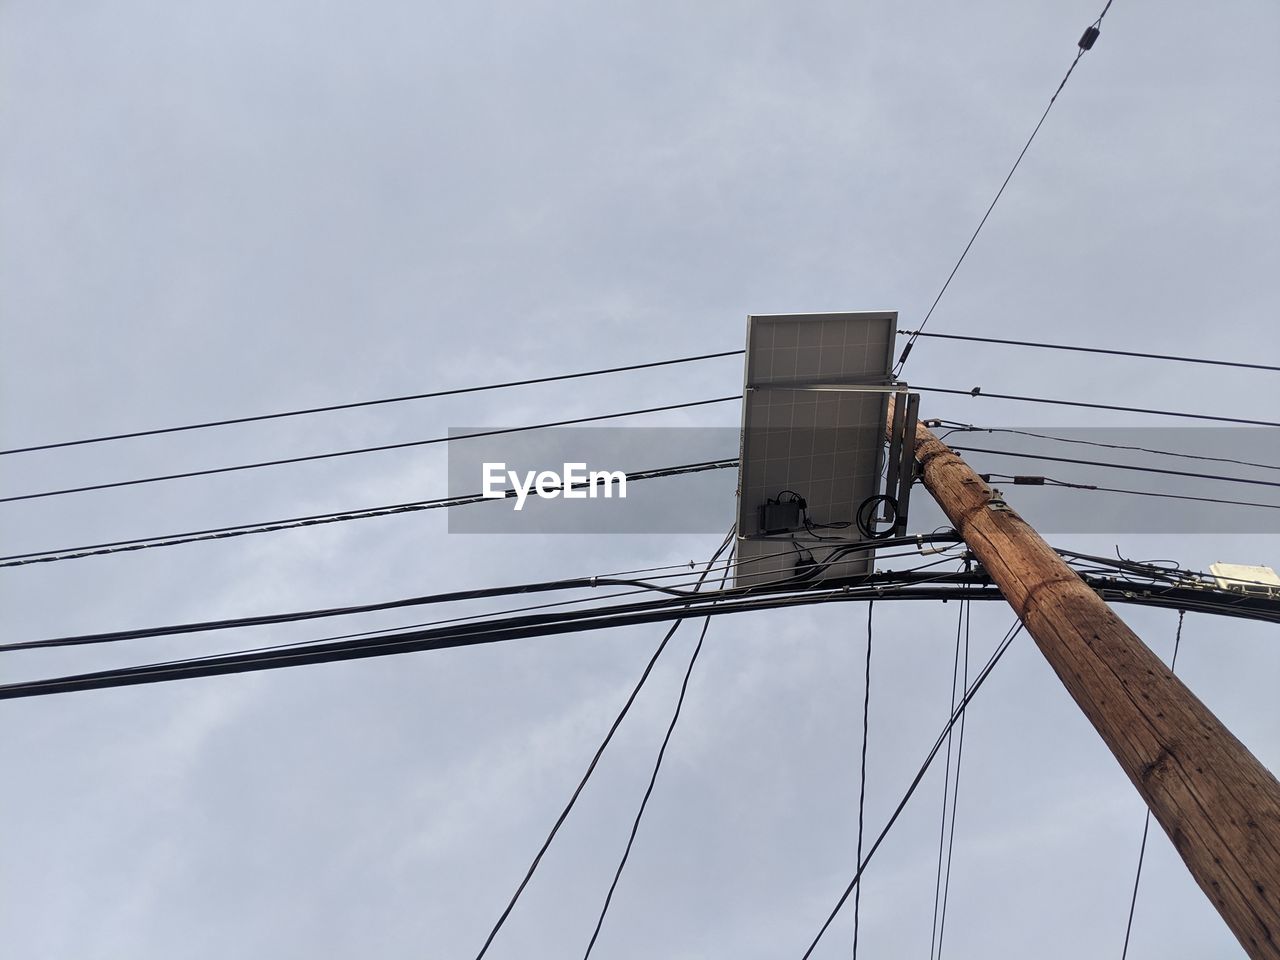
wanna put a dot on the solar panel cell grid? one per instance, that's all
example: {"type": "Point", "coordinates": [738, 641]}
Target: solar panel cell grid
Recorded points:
{"type": "Point", "coordinates": [813, 423]}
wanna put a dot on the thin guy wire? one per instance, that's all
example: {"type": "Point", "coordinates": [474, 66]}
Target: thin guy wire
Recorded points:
{"type": "Point", "coordinates": [1025, 147]}
{"type": "Point", "coordinates": [924, 768]}
{"type": "Point", "coordinates": [862, 775]}
{"type": "Point", "coordinates": [955, 785]}
{"type": "Point", "coordinates": [946, 790]}
{"type": "Point", "coordinates": [1146, 825]}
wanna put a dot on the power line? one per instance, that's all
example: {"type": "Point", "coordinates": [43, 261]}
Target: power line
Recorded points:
{"type": "Point", "coordinates": [862, 776]}
{"type": "Point", "coordinates": [934, 947]}
{"type": "Point", "coordinates": [384, 631]}
{"type": "Point", "coordinates": [238, 623]}
{"type": "Point", "coordinates": [1192, 599]}
{"type": "Point", "coordinates": [1098, 350]}
{"type": "Point", "coordinates": [1185, 588]}
{"type": "Point", "coordinates": [591, 583]}
{"type": "Point", "coordinates": [275, 526]}
{"type": "Point", "coordinates": [370, 403]}
{"type": "Point", "coordinates": [876, 585]}
{"type": "Point", "coordinates": [1084, 44]}
{"type": "Point", "coordinates": [482, 632]}
{"type": "Point", "coordinates": [953, 427]}
{"type": "Point", "coordinates": [1066, 485]}
{"type": "Point", "coordinates": [653, 778]}
{"type": "Point", "coordinates": [1177, 576]}
{"type": "Point", "coordinates": [626, 707]}
{"type": "Point", "coordinates": [1120, 466]}
{"type": "Point", "coordinates": [1146, 824]}
{"type": "Point", "coordinates": [487, 615]}
{"type": "Point", "coordinates": [1174, 574]}
{"type": "Point", "coordinates": [892, 585]}
{"type": "Point", "coordinates": [924, 767]}
{"type": "Point", "coordinates": [361, 450]}
{"type": "Point", "coordinates": [955, 786]}
{"type": "Point", "coordinates": [979, 392]}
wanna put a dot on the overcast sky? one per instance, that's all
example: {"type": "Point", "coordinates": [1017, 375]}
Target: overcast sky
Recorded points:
{"type": "Point", "coordinates": [213, 210]}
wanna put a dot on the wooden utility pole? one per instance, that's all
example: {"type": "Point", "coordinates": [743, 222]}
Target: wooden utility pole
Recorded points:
{"type": "Point", "coordinates": [1219, 805]}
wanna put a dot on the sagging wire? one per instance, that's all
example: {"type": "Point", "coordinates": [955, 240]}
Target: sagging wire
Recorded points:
{"type": "Point", "coordinates": [595, 760]}
{"type": "Point", "coordinates": [644, 802]}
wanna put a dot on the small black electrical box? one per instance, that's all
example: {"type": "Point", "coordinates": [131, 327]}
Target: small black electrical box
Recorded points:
{"type": "Point", "coordinates": [779, 516]}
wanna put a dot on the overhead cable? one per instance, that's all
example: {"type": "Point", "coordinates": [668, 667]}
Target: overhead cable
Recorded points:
{"type": "Point", "coordinates": [489, 622]}
{"type": "Point", "coordinates": [653, 778]}
{"type": "Point", "coordinates": [275, 526]}
{"type": "Point", "coordinates": [1146, 823]}
{"type": "Point", "coordinates": [456, 391]}
{"type": "Point", "coordinates": [411, 641]}
{"type": "Point", "coordinates": [955, 785]}
{"type": "Point", "coordinates": [1067, 485]}
{"type": "Point", "coordinates": [862, 775]}
{"type": "Point", "coordinates": [953, 427]}
{"type": "Point", "coordinates": [979, 392]}
{"type": "Point", "coordinates": [1223, 478]}
{"type": "Point", "coordinates": [956, 687]}
{"type": "Point", "coordinates": [1085, 44]}
{"type": "Point", "coordinates": [924, 768]}
{"type": "Point", "coordinates": [309, 458]}
{"type": "Point", "coordinates": [1098, 350]}
{"type": "Point", "coordinates": [895, 585]}
{"type": "Point", "coordinates": [613, 728]}
{"type": "Point", "coordinates": [453, 596]}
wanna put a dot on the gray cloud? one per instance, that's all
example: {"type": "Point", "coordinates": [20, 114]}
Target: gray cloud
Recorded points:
{"type": "Point", "coordinates": [215, 210]}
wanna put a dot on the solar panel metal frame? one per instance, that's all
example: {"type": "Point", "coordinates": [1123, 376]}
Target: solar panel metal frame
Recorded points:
{"type": "Point", "coordinates": [816, 390]}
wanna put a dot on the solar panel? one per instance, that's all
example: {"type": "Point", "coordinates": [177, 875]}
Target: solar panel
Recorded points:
{"type": "Point", "coordinates": [813, 425]}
